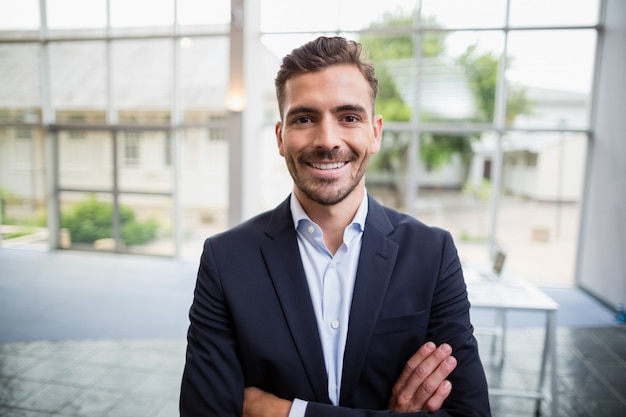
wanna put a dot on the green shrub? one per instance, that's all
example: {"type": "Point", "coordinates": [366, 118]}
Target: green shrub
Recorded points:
{"type": "Point", "coordinates": [91, 220]}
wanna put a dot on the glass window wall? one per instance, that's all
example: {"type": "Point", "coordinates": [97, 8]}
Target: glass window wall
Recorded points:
{"type": "Point", "coordinates": [486, 107]}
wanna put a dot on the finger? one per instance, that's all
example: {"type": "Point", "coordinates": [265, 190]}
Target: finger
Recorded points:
{"type": "Point", "coordinates": [414, 361]}
{"type": "Point", "coordinates": [435, 402]}
{"type": "Point", "coordinates": [429, 387]}
{"type": "Point", "coordinates": [424, 376]}
{"type": "Point", "coordinates": [421, 377]}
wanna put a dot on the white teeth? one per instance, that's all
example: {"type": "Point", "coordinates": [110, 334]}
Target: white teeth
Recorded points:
{"type": "Point", "coordinates": [334, 165]}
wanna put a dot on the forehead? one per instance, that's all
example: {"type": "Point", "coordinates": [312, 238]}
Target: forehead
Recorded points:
{"type": "Point", "coordinates": [331, 85]}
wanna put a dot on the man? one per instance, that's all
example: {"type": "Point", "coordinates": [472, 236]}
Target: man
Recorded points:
{"type": "Point", "coordinates": [330, 304]}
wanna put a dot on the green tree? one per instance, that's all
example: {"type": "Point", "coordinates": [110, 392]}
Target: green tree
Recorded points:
{"type": "Point", "coordinates": [481, 71]}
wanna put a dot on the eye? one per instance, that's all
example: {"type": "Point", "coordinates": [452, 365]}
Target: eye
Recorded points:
{"type": "Point", "coordinates": [301, 120]}
{"type": "Point", "coordinates": [350, 118]}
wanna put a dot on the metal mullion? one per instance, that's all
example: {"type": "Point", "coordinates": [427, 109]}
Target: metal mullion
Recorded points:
{"type": "Point", "coordinates": [412, 183]}
{"type": "Point", "coordinates": [591, 144]}
{"type": "Point", "coordinates": [176, 136]}
{"type": "Point", "coordinates": [51, 147]}
{"type": "Point", "coordinates": [499, 121]}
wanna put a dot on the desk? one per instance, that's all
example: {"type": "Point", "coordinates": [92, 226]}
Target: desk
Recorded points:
{"type": "Point", "coordinates": [502, 294]}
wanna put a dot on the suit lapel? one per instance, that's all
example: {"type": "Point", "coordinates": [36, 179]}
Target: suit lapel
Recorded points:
{"type": "Point", "coordinates": [283, 261]}
{"type": "Point", "coordinates": [376, 262]}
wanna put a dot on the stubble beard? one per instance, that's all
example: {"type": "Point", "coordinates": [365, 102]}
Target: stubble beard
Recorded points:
{"type": "Point", "coordinates": [322, 190]}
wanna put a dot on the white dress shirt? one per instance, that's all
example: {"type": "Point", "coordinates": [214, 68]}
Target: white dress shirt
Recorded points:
{"type": "Point", "coordinates": [331, 284]}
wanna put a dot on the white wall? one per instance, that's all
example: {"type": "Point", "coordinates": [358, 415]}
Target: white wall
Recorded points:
{"type": "Point", "coordinates": [602, 258]}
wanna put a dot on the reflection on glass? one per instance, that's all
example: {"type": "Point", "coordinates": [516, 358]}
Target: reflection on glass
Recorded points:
{"type": "Point", "coordinates": [85, 159]}
{"type": "Point", "coordinates": [535, 13]}
{"type": "Point", "coordinates": [142, 80]}
{"type": "Point", "coordinates": [554, 68]}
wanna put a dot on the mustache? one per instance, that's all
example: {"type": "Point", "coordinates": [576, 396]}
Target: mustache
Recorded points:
{"type": "Point", "coordinates": [326, 155]}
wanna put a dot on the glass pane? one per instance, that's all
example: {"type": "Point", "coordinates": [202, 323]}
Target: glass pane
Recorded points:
{"type": "Point", "coordinates": [451, 192]}
{"type": "Point", "coordinates": [456, 80]}
{"type": "Point", "coordinates": [553, 12]}
{"type": "Point", "coordinates": [76, 14]}
{"type": "Point", "coordinates": [204, 76]}
{"type": "Point", "coordinates": [22, 188]}
{"type": "Point", "coordinates": [85, 160]}
{"type": "Point", "coordinates": [15, 15]}
{"type": "Point", "coordinates": [78, 81]}
{"type": "Point", "coordinates": [396, 72]}
{"type": "Point", "coordinates": [542, 184]}
{"type": "Point", "coordinates": [458, 75]}
{"type": "Point", "coordinates": [144, 161]}
{"type": "Point", "coordinates": [463, 13]}
{"type": "Point", "coordinates": [375, 14]}
{"type": "Point", "coordinates": [281, 45]}
{"type": "Point", "coordinates": [550, 78]}
{"type": "Point", "coordinates": [388, 169]}
{"type": "Point", "coordinates": [146, 224]}
{"type": "Point", "coordinates": [202, 12]}
{"type": "Point", "coordinates": [19, 83]}
{"type": "Point", "coordinates": [86, 221]}
{"type": "Point", "coordinates": [203, 188]}
{"type": "Point", "coordinates": [299, 16]}
{"type": "Point", "coordinates": [142, 13]}
{"type": "Point", "coordinates": [142, 80]}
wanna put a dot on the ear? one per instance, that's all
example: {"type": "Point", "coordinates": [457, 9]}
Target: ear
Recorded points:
{"type": "Point", "coordinates": [378, 134]}
{"type": "Point", "coordinates": [278, 129]}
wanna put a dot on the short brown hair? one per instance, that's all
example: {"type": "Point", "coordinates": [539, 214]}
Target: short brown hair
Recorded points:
{"type": "Point", "coordinates": [319, 54]}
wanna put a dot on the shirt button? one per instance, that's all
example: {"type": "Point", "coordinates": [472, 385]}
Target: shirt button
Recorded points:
{"type": "Point", "coordinates": [334, 324]}
{"type": "Point", "coordinates": [311, 229]}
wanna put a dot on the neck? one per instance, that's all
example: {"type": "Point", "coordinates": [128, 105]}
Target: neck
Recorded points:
{"type": "Point", "coordinates": [332, 219]}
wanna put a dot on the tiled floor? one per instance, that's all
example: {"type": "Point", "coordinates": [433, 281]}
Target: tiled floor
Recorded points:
{"type": "Point", "coordinates": [126, 378]}
{"type": "Point", "coordinates": [121, 378]}
{"type": "Point", "coordinates": [74, 344]}
{"type": "Point", "coordinates": [591, 372]}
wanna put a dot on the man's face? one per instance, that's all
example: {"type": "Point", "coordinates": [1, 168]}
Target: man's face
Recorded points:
{"type": "Point", "coordinates": [328, 132]}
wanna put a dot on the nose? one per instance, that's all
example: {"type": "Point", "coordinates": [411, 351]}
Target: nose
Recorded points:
{"type": "Point", "coordinates": [328, 134]}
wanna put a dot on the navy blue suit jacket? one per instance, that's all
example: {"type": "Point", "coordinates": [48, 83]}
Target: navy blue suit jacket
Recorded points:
{"type": "Point", "coordinates": [252, 320]}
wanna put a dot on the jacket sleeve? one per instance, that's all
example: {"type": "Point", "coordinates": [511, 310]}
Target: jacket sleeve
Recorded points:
{"type": "Point", "coordinates": [213, 382]}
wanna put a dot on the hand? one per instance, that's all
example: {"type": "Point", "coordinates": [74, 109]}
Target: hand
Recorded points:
{"type": "Point", "coordinates": [422, 384]}
{"type": "Point", "coordinates": [258, 403]}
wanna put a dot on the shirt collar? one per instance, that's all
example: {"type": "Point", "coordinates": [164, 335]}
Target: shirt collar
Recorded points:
{"type": "Point", "coordinates": [298, 213]}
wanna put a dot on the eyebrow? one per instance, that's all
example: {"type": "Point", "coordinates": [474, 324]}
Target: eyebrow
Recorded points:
{"type": "Point", "coordinates": [312, 110]}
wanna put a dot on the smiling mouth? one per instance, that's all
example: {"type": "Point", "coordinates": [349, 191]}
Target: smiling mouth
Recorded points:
{"type": "Point", "coordinates": [328, 166]}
